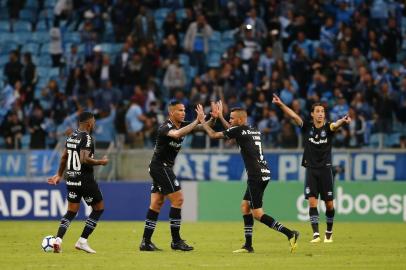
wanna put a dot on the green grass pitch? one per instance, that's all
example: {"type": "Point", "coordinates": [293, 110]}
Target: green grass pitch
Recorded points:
{"type": "Point", "coordinates": [356, 246]}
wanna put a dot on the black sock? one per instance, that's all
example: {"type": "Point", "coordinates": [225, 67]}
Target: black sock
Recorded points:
{"type": "Point", "coordinates": [314, 220]}
{"type": "Point", "coordinates": [65, 222]}
{"type": "Point", "coordinates": [150, 224]}
{"type": "Point", "coordinates": [248, 224]}
{"type": "Point", "coordinates": [91, 223]}
{"type": "Point", "coordinates": [330, 220]}
{"type": "Point", "coordinates": [175, 221]}
{"type": "Point", "coordinates": [272, 223]}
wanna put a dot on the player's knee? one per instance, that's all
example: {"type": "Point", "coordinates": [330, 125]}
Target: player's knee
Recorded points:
{"type": "Point", "coordinates": [245, 208]}
{"type": "Point", "coordinates": [329, 205]}
{"type": "Point", "coordinates": [257, 215]}
{"type": "Point", "coordinates": [178, 202]}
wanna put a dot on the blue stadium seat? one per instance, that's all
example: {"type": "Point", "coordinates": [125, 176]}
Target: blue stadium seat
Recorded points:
{"type": "Point", "coordinates": [44, 49]}
{"type": "Point", "coordinates": [374, 140]}
{"type": "Point", "coordinates": [390, 140]}
{"type": "Point", "coordinates": [72, 37]}
{"type": "Point", "coordinates": [215, 46]}
{"type": "Point", "coordinates": [213, 61]}
{"type": "Point", "coordinates": [43, 72]}
{"type": "Point", "coordinates": [27, 15]}
{"type": "Point", "coordinates": [5, 48]}
{"type": "Point", "coordinates": [50, 3]}
{"type": "Point", "coordinates": [45, 61]}
{"type": "Point", "coordinates": [228, 35]}
{"type": "Point", "coordinates": [33, 48]}
{"type": "Point", "coordinates": [25, 141]}
{"type": "Point", "coordinates": [54, 73]}
{"type": "Point", "coordinates": [161, 13]}
{"type": "Point", "coordinates": [216, 36]}
{"type": "Point", "coordinates": [184, 59]}
{"type": "Point", "coordinates": [159, 22]}
{"type": "Point", "coordinates": [41, 26]}
{"type": "Point", "coordinates": [3, 59]}
{"type": "Point", "coordinates": [31, 4]}
{"type": "Point", "coordinates": [4, 26]}
{"type": "Point", "coordinates": [180, 14]}
{"type": "Point", "coordinates": [21, 26]}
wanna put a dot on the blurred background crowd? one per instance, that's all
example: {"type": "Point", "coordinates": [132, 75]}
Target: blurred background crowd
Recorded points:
{"type": "Point", "coordinates": [124, 60]}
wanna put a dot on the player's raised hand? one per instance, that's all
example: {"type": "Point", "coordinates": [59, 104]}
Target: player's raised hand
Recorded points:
{"type": "Point", "coordinates": [54, 180]}
{"type": "Point", "coordinates": [214, 110]}
{"type": "Point", "coordinates": [200, 113]}
{"type": "Point", "coordinates": [220, 108]}
{"type": "Point", "coordinates": [276, 100]}
{"type": "Point", "coordinates": [347, 119]}
{"type": "Point", "coordinates": [104, 161]}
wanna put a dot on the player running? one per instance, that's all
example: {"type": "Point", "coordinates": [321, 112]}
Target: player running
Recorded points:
{"type": "Point", "coordinates": [318, 135]}
{"type": "Point", "coordinates": [164, 183]}
{"type": "Point", "coordinates": [78, 161]}
{"type": "Point", "coordinates": [249, 141]}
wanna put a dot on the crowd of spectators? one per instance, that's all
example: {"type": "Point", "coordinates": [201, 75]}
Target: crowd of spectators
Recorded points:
{"type": "Point", "coordinates": [347, 54]}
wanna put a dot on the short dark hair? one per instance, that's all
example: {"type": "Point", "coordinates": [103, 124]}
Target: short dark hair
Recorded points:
{"type": "Point", "coordinates": [84, 116]}
{"type": "Point", "coordinates": [173, 102]}
{"type": "Point", "coordinates": [237, 109]}
{"type": "Point", "coordinates": [317, 104]}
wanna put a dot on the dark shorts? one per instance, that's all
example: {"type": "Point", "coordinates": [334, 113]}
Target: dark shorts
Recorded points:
{"type": "Point", "coordinates": [88, 190]}
{"type": "Point", "coordinates": [255, 192]}
{"type": "Point", "coordinates": [319, 181]}
{"type": "Point", "coordinates": [163, 179]}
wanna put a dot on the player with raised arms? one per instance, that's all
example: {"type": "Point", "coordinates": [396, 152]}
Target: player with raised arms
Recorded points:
{"type": "Point", "coordinates": [318, 136]}
{"type": "Point", "coordinates": [249, 141]}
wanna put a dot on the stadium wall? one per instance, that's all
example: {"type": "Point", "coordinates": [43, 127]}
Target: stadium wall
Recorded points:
{"type": "Point", "coordinates": [219, 164]}
{"type": "Point", "coordinates": [207, 201]}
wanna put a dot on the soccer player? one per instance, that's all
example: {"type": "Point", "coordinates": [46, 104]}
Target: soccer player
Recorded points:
{"type": "Point", "coordinates": [164, 183]}
{"type": "Point", "coordinates": [78, 161]}
{"type": "Point", "coordinates": [249, 141]}
{"type": "Point", "coordinates": [318, 135]}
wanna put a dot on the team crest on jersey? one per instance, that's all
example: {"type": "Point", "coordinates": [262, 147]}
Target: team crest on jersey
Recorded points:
{"type": "Point", "coordinates": [323, 133]}
{"type": "Point", "coordinates": [307, 190]}
{"type": "Point", "coordinates": [176, 182]}
{"type": "Point", "coordinates": [72, 195]}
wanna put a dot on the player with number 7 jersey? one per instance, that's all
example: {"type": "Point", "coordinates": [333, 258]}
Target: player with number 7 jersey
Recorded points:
{"type": "Point", "coordinates": [249, 141]}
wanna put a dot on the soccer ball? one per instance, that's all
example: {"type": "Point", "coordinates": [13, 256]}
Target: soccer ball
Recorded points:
{"type": "Point", "coordinates": [48, 243]}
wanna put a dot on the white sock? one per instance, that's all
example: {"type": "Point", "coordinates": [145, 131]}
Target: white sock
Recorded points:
{"type": "Point", "coordinates": [82, 240]}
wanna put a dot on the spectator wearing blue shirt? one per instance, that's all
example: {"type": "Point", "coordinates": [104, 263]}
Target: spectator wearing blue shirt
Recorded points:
{"type": "Point", "coordinates": [134, 119]}
{"type": "Point", "coordinates": [197, 42]}
{"type": "Point", "coordinates": [266, 62]}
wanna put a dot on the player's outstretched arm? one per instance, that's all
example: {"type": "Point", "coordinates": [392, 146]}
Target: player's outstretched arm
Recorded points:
{"type": "Point", "coordinates": [179, 133]}
{"type": "Point", "coordinates": [62, 165]}
{"type": "Point", "coordinates": [212, 134]}
{"type": "Point", "coordinates": [86, 159]}
{"type": "Point", "coordinates": [340, 122]}
{"type": "Point", "coordinates": [221, 116]}
{"type": "Point", "coordinates": [277, 101]}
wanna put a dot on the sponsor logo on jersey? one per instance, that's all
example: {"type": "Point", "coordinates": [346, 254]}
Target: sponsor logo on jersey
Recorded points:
{"type": "Point", "coordinates": [266, 178]}
{"type": "Point", "coordinates": [318, 142]}
{"type": "Point", "coordinates": [323, 133]}
{"type": "Point", "coordinates": [265, 171]}
{"type": "Point", "coordinates": [243, 132]}
{"type": "Point", "coordinates": [71, 183]}
{"type": "Point", "coordinates": [174, 144]}
{"type": "Point", "coordinates": [73, 173]}
{"type": "Point", "coordinates": [71, 145]}
{"type": "Point", "coordinates": [70, 140]}
{"type": "Point", "coordinates": [72, 195]}
{"type": "Point", "coordinates": [89, 140]}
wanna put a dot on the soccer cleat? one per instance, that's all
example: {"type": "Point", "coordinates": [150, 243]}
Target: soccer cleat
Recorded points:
{"type": "Point", "coordinates": [328, 238]}
{"type": "Point", "coordinates": [293, 241]}
{"type": "Point", "coordinates": [244, 249]}
{"type": "Point", "coordinates": [84, 246]}
{"type": "Point", "coordinates": [57, 245]}
{"type": "Point", "coordinates": [181, 245]}
{"type": "Point", "coordinates": [316, 238]}
{"type": "Point", "coordinates": [148, 246]}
